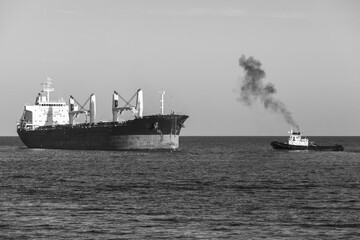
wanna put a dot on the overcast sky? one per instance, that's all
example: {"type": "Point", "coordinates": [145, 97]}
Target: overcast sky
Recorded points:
{"type": "Point", "coordinates": [310, 51]}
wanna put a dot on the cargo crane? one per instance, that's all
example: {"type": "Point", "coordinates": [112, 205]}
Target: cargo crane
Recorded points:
{"type": "Point", "coordinates": [136, 109]}
{"type": "Point", "coordinates": [74, 109]}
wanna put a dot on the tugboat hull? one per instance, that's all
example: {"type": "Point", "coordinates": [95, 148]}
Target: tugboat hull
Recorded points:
{"type": "Point", "coordinates": [285, 146]}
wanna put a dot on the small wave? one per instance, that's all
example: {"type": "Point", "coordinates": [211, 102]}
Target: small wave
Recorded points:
{"type": "Point", "coordinates": [93, 231]}
{"type": "Point", "coordinates": [222, 229]}
{"type": "Point", "coordinates": [19, 176]}
{"type": "Point", "coordinates": [352, 150]}
{"type": "Point", "coordinates": [331, 225]}
{"type": "Point", "coordinates": [169, 219]}
{"type": "Point", "coordinates": [93, 209]}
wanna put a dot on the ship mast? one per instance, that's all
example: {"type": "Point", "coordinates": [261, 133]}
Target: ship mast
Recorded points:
{"type": "Point", "coordinates": [48, 88]}
{"type": "Point", "coordinates": [162, 102]}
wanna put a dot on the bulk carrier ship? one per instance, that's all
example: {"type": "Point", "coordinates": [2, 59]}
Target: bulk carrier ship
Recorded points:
{"type": "Point", "coordinates": [51, 124]}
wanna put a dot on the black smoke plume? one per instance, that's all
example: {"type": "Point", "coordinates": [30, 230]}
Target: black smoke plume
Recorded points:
{"type": "Point", "coordinates": [253, 88]}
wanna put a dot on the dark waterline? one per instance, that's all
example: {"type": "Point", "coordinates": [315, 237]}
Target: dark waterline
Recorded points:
{"type": "Point", "coordinates": [213, 188]}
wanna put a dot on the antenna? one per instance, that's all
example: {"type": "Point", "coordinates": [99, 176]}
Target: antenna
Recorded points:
{"type": "Point", "coordinates": [162, 102]}
{"type": "Point", "coordinates": [48, 88]}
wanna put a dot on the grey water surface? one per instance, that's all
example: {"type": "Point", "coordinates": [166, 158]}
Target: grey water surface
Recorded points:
{"type": "Point", "coordinates": [212, 188]}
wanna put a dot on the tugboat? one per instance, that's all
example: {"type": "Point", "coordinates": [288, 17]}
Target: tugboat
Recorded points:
{"type": "Point", "coordinates": [298, 142]}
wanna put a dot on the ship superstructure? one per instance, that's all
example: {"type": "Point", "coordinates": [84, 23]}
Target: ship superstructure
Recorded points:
{"type": "Point", "coordinates": [52, 124]}
{"type": "Point", "coordinates": [297, 139]}
{"type": "Point", "coordinates": [45, 112]}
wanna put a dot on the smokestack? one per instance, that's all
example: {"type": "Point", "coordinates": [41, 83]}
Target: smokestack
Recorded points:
{"type": "Point", "coordinates": [252, 88]}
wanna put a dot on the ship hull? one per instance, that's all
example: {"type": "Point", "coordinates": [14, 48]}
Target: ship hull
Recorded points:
{"type": "Point", "coordinates": [285, 146]}
{"type": "Point", "coordinates": [148, 133]}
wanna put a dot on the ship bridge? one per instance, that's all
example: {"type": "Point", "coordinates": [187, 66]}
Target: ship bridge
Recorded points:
{"type": "Point", "coordinates": [45, 112]}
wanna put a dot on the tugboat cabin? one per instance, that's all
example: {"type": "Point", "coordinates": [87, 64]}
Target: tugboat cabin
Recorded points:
{"type": "Point", "coordinates": [297, 139]}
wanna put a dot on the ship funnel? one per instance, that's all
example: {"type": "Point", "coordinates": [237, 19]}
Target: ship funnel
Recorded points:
{"type": "Point", "coordinates": [92, 108]}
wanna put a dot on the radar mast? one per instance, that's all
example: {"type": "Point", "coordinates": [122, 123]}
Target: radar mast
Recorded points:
{"type": "Point", "coordinates": [47, 88]}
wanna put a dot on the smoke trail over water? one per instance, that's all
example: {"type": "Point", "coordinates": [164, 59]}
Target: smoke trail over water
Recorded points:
{"type": "Point", "coordinates": [252, 88]}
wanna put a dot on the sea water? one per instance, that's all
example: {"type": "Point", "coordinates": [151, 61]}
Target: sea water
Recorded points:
{"type": "Point", "coordinates": [212, 188]}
